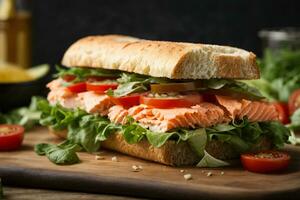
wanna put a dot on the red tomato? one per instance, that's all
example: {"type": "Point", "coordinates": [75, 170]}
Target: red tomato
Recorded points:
{"type": "Point", "coordinates": [265, 161]}
{"type": "Point", "coordinates": [172, 102]}
{"type": "Point", "coordinates": [77, 87]}
{"type": "Point", "coordinates": [283, 112]}
{"type": "Point", "coordinates": [127, 101]}
{"type": "Point", "coordinates": [100, 87]}
{"type": "Point", "coordinates": [11, 137]}
{"type": "Point", "coordinates": [294, 101]}
{"type": "Point", "coordinates": [69, 78]}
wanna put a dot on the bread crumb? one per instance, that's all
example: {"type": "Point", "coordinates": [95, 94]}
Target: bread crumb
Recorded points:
{"type": "Point", "coordinates": [136, 168]}
{"type": "Point", "coordinates": [209, 174]}
{"type": "Point", "coordinates": [222, 173]}
{"type": "Point", "coordinates": [202, 171]}
{"type": "Point", "coordinates": [98, 157]}
{"type": "Point", "coordinates": [187, 176]}
{"type": "Point", "coordinates": [114, 159]}
{"type": "Point", "coordinates": [182, 170]}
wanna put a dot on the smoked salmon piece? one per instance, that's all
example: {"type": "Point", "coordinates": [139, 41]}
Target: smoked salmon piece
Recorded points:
{"type": "Point", "coordinates": [255, 111]}
{"type": "Point", "coordinates": [162, 120]}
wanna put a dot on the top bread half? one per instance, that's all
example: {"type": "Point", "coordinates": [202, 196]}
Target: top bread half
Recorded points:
{"type": "Point", "coordinates": [175, 60]}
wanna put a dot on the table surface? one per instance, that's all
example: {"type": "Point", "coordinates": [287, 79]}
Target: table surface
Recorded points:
{"type": "Point", "coordinates": [13, 193]}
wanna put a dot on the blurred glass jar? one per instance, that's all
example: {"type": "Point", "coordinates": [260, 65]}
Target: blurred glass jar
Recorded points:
{"type": "Point", "coordinates": [276, 39]}
{"type": "Point", "coordinates": [15, 32]}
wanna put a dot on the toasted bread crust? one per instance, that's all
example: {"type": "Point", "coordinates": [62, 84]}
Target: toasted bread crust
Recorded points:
{"type": "Point", "coordinates": [171, 153]}
{"type": "Point", "coordinates": [176, 60]}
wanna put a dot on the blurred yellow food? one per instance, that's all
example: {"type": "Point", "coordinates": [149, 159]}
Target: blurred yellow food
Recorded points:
{"type": "Point", "coordinates": [10, 73]}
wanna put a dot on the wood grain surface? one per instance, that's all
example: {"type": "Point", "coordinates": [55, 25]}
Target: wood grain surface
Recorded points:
{"type": "Point", "coordinates": [25, 168]}
{"type": "Point", "coordinates": [12, 193]}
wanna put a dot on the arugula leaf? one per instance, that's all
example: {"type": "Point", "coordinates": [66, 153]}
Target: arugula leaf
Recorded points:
{"type": "Point", "coordinates": [24, 116]}
{"type": "Point", "coordinates": [197, 140]}
{"type": "Point", "coordinates": [210, 161]}
{"type": "Point", "coordinates": [278, 133]}
{"type": "Point", "coordinates": [82, 73]}
{"type": "Point", "coordinates": [234, 88]}
{"type": "Point", "coordinates": [132, 83]}
{"type": "Point", "coordinates": [61, 154]}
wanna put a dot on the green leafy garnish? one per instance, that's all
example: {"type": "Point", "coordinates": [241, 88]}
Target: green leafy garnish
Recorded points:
{"type": "Point", "coordinates": [24, 116]}
{"type": "Point", "coordinates": [210, 161]}
{"type": "Point", "coordinates": [61, 154]}
{"type": "Point", "coordinates": [280, 74]}
{"type": "Point", "coordinates": [82, 73]}
{"type": "Point", "coordinates": [134, 83]}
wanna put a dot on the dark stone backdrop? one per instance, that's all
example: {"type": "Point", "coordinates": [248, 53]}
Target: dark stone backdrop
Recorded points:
{"type": "Point", "coordinates": [58, 23]}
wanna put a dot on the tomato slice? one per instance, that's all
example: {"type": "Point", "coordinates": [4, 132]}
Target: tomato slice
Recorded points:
{"type": "Point", "coordinates": [283, 111]}
{"type": "Point", "coordinates": [68, 77]}
{"type": "Point", "coordinates": [265, 161]}
{"type": "Point", "coordinates": [294, 101]}
{"type": "Point", "coordinates": [100, 87]}
{"type": "Point", "coordinates": [11, 137]}
{"type": "Point", "coordinates": [172, 102]}
{"type": "Point", "coordinates": [77, 87]}
{"type": "Point", "coordinates": [127, 101]}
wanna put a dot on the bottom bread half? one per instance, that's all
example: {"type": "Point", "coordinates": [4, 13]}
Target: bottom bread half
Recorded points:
{"type": "Point", "coordinates": [171, 153]}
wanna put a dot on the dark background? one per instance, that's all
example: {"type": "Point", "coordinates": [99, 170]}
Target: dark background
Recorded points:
{"type": "Point", "coordinates": [58, 23]}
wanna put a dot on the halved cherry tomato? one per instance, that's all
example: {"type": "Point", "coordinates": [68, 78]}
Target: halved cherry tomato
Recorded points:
{"type": "Point", "coordinates": [283, 111]}
{"type": "Point", "coordinates": [172, 102]}
{"type": "Point", "coordinates": [265, 161]}
{"type": "Point", "coordinates": [11, 137]}
{"type": "Point", "coordinates": [294, 101]}
{"type": "Point", "coordinates": [127, 101]}
{"type": "Point", "coordinates": [77, 87]}
{"type": "Point", "coordinates": [69, 77]}
{"type": "Point", "coordinates": [99, 87]}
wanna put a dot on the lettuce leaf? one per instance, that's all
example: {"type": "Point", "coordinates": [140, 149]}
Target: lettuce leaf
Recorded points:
{"type": "Point", "coordinates": [135, 83]}
{"type": "Point", "coordinates": [82, 73]}
{"type": "Point", "coordinates": [210, 161]}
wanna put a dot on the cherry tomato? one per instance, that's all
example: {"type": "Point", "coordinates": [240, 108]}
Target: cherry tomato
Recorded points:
{"type": "Point", "coordinates": [11, 137]}
{"type": "Point", "coordinates": [283, 112]}
{"type": "Point", "coordinates": [265, 161]}
{"type": "Point", "coordinates": [77, 87]}
{"type": "Point", "coordinates": [172, 102]}
{"type": "Point", "coordinates": [294, 101]}
{"type": "Point", "coordinates": [127, 101]}
{"type": "Point", "coordinates": [68, 77]}
{"type": "Point", "coordinates": [100, 87]}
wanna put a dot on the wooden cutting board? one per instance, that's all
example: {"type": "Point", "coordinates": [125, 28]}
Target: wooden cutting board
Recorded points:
{"type": "Point", "coordinates": [25, 168]}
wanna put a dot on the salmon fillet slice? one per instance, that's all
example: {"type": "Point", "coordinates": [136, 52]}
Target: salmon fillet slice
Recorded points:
{"type": "Point", "coordinates": [61, 95]}
{"type": "Point", "coordinates": [89, 101]}
{"type": "Point", "coordinates": [95, 103]}
{"type": "Point", "coordinates": [162, 120]}
{"type": "Point", "coordinates": [256, 111]}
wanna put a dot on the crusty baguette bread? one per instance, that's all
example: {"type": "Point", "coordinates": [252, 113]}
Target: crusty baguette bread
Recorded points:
{"type": "Point", "coordinates": [171, 153]}
{"type": "Point", "coordinates": [176, 60]}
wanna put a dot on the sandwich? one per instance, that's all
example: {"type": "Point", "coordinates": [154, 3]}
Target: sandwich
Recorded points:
{"type": "Point", "coordinates": [173, 103]}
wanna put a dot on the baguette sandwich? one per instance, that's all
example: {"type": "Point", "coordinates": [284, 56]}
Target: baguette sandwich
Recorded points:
{"type": "Point", "coordinates": [168, 102]}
